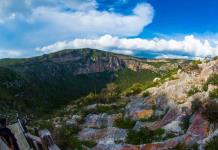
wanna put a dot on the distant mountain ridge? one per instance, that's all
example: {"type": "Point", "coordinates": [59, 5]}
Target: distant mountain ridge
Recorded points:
{"type": "Point", "coordinates": [45, 82]}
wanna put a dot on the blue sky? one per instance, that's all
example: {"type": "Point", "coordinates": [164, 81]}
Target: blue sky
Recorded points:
{"type": "Point", "coordinates": [144, 28]}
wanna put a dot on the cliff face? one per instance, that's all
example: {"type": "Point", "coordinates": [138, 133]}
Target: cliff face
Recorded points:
{"type": "Point", "coordinates": [83, 62]}
{"type": "Point", "coordinates": [86, 61]}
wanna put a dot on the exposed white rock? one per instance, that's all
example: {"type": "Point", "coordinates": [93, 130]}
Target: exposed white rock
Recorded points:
{"type": "Point", "coordinates": [73, 120]}
{"type": "Point", "coordinates": [100, 120]}
{"type": "Point", "coordinates": [114, 134]}
{"type": "Point", "coordinates": [173, 126]}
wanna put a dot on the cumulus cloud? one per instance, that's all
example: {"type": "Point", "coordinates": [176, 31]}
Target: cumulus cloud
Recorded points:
{"type": "Point", "coordinates": [9, 54]}
{"type": "Point", "coordinates": [189, 44]}
{"type": "Point", "coordinates": [67, 18]}
{"type": "Point", "coordinates": [94, 22]}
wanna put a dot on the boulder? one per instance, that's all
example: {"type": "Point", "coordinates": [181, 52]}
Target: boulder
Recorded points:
{"type": "Point", "coordinates": [171, 115]}
{"type": "Point", "coordinates": [100, 120]}
{"type": "Point", "coordinates": [73, 120]}
{"type": "Point", "coordinates": [138, 108]}
{"type": "Point", "coordinates": [114, 134]}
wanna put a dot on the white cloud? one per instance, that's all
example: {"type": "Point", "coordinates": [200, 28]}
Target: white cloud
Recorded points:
{"type": "Point", "coordinates": [189, 45]}
{"type": "Point", "coordinates": [93, 22]}
{"type": "Point", "coordinates": [10, 53]}
{"type": "Point", "coordinates": [172, 56]}
{"type": "Point", "coordinates": [73, 18]}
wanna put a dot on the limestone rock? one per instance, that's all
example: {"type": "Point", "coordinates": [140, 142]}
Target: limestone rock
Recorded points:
{"type": "Point", "coordinates": [100, 120]}
{"type": "Point", "coordinates": [138, 109]}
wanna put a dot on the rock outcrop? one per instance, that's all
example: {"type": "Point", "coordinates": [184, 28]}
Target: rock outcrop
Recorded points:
{"type": "Point", "coordinates": [100, 120]}
{"type": "Point", "coordinates": [106, 134]}
{"type": "Point", "coordinates": [138, 108]}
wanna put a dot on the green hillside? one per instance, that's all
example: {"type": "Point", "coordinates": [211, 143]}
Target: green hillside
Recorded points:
{"type": "Point", "coordinates": [45, 83]}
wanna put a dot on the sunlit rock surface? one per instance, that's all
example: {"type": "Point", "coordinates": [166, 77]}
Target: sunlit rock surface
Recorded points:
{"type": "Point", "coordinates": [105, 134]}
{"type": "Point", "coordinates": [100, 120]}
{"type": "Point", "coordinates": [138, 108]}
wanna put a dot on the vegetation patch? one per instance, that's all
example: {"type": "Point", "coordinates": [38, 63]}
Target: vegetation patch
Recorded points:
{"type": "Point", "coordinates": [212, 145]}
{"type": "Point", "coordinates": [144, 136]}
{"type": "Point", "coordinates": [66, 138]}
{"type": "Point", "coordinates": [194, 64]}
{"type": "Point", "coordinates": [193, 91]}
{"type": "Point", "coordinates": [213, 79]}
{"type": "Point", "coordinates": [211, 111]}
{"type": "Point", "coordinates": [185, 123]}
{"type": "Point", "coordinates": [134, 89]}
{"type": "Point", "coordinates": [145, 94]}
{"type": "Point", "coordinates": [214, 94]}
{"type": "Point", "coordinates": [196, 106]}
{"type": "Point", "coordinates": [124, 123]}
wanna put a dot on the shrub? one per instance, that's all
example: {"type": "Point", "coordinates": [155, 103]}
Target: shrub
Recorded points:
{"type": "Point", "coordinates": [103, 109]}
{"type": "Point", "coordinates": [150, 119]}
{"type": "Point", "coordinates": [193, 91]}
{"type": "Point", "coordinates": [211, 111]}
{"type": "Point", "coordinates": [157, 134]}
{"type": "Point", "coordinates": [205, 87]}
{"type": "Point", "coordinates": [195, 146]}
{"type": "Point", "coordinates": [212, 145]}
{"type": "Point", "coordinates": [180, 147]}
{"type": "Point", "coordinates": [106, 96]}
{"type": "Point", "coordinates": [196, 105]}
{"type": "Point", "coordinates": [124, 123]}
{"type": "Point", "coordinates": [144, 135]}
{"type": "Point", "coordinates": [214, 94]}
{"type": "Point", "coordinates": [213, 79]}
{"type": "Point", "coordinates": [65, 137]}
{"type": "Point", "coordinates": [215, 58]}
{"type": "Point", "coordinates": [185, 123]}
{"type": "Point", "coordinates": [194, 64]}
{"type": "Point", "coordinates": [134, 89]}
{"type": "Point", "coordinates": [169, 136]}
{"type": "Point", "coordinates": [89, 143]}
{"type": "Point", "coordinates": [145, 94]}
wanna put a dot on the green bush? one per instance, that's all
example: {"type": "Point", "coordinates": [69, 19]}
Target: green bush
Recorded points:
{"type": "Point", "coordinates": [212, 145]}
{"type": "Point", "coordinates": [205, 87]}
{"type": "Point", "coordinates": [145, 94]}
{"type": "Point", "coordinates": [193, 91]}
{"type": "Point", "coordinates": [211, 111]}
{"type": "Point", "coordinates": [180, 147]}
{"type": "Point", "coordinates": [89, 143]}
{"type": "Point", "coordinates": [196, 105]}
{"type": "Point", "coordinates": [169, 136]}
{"type": "Point", "coordinates": [66, 138]}
{"type": "Point", "coordinates": [194, 64]}
{"type": "Point", "coordinates": [103, 109]}
{"type": "Point", "coordinates": [213, 79]}
{"type": "Point", "coordinates": [134, 89]}
{"type": "Point", "coordinates": [144, 136]}
{"type": "Point", "coordinates": [215, 58]}
{"type": "Point", "coordinates": [150, 119]}
{"type": "Point", "coordinates": [214, 94]}
{"type": "Point", "coordinates": [185, 123]}
{"type": "Point", "coordinates": [124, 123]}
{"type": "Point", "coordinates": [107, 95]}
